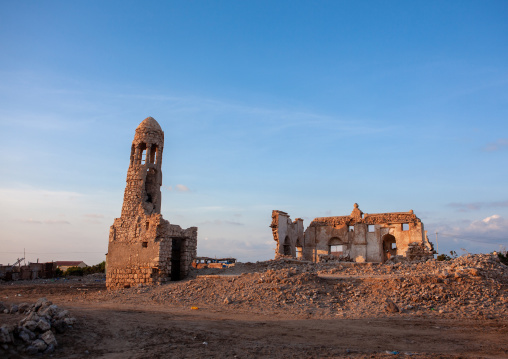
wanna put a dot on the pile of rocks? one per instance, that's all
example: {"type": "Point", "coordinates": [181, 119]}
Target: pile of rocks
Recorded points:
{"type": "Point", "coordinates": [35, 333]}
{"type": "Point", "coordinates": [471, 286]}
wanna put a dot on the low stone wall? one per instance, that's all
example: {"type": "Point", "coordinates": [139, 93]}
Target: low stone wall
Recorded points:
{"type": "Point", "coordinates": [132, 276]}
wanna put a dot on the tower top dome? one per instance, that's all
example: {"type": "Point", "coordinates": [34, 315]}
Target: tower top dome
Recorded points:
{"type": "Point", "coordinates": [149, 123]}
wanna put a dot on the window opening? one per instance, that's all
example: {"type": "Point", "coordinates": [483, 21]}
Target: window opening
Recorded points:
{"type": "Point", "coordinates": [405, 226]}
{"type": "Point", "coordinates": [351, 228]}
{"type": "Point", "coordinates": [372, 228]}
{"type": "Point", "coordinates": [153, 154]}
{"type": "Point", "coordinates": [144, 244]}
{"type": "Point", "coordinates": [336, 249]}
{"type": "Point", "coordinates": [143, 156]}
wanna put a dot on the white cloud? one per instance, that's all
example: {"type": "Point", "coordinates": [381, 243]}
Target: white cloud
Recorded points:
{"type": "Point", "coordinates": [219, 222]}
{"type": "Point", "coordinates": [500, 144]}
{"type": "Point", "coordinates": [182, 188]}
{"type": "Point", "coordinates": [30, 196]}
{"type": "Point", "coordinates": [47, 221]}
{"type": "Point", "coordinates": [94, 215]}
{"type": "Point", "coordinates": [243, 250]}
{"type": "Point", "coordinates": [29, 220]}
{"type": "Point", "coordinates": [178, 187]}
{"type": "Point", "coordinates": [53, 221]}
{"type": "Point", "coordinates": [481, 235]}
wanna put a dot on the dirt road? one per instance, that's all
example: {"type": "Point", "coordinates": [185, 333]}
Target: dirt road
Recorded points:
{"type": "Point", "coordinates": [144, 329]}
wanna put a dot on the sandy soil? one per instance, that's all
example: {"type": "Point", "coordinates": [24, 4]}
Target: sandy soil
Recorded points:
{"type": "Point", "coordinates": [276, 310]}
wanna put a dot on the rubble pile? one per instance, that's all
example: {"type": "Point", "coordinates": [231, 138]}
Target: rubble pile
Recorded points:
{"type": "Point", "coordinates": [464, 287]}
{"type": "Point", "coordinates": [35, 333]}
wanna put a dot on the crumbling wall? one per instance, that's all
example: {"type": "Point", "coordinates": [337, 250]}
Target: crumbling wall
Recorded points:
{"type": "Point", "coordinates": [362, 237]}
{"type": "Point", "coordinates": [143, 247]}
{"type": "Point", "coordinates": [288, 235]}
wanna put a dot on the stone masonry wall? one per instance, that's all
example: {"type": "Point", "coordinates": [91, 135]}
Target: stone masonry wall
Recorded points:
{"type": "Point", "coordinates": [141, 247]}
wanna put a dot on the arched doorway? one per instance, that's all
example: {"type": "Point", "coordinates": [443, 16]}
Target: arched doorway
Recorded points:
{"type": "Point", "coordinates": [389, 247]}
{"type": "Point", "coordinates": [287, 246]}
{"type": "Point", "coordinates": [176, 258]}
{"type": "Point", "coordinates": [299, 248]}
{"type": "Point", "coordinates": [336, 247]}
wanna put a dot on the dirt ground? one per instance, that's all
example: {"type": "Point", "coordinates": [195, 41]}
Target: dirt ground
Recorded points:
{"type": "Point", "coordinates": [133, 324]}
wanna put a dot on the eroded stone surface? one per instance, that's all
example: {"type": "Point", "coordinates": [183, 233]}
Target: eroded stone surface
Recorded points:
{"type": "Point", "coordinates": [143, 247]}
{"type": "Point", "coordinates": [358, 237]}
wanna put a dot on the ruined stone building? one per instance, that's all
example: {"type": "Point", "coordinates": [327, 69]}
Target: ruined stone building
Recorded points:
{"type": "Point", "coordinates": [360, 237]}
{"type": "Point", "coordinates": [144, 247]}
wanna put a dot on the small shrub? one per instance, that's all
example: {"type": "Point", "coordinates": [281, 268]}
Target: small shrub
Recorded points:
{"type": "Point", "coordinates": [74, 271]}
{"type": "Point", "coordinates": [503, 257]}
{"type": "Point", "coordinates": [446, 257]}
{"type": "Point", "coordinates": [443, 257]}
{"type": "Point", "coordinates": [98, 268]}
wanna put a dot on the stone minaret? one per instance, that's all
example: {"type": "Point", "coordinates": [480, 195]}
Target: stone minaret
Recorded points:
{"type": "Point", "coordinates": [144, 176]}
{"type": "Point", "coordinates": [143, 247]}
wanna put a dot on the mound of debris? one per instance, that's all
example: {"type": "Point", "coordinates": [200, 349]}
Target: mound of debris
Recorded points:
{"type": "Point", "coordinates": [472, 286]}
{"type": "Point", "coordinates": [35, 333]}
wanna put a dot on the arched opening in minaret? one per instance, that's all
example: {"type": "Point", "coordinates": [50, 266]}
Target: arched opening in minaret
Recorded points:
{"type": "Point", "coordinates": [142, 149]}
{"type": "Point", "coordinates": [133, 151]}
{"type": "Point", "coordinates": [153, 154]}
{"type": "Point", "coordinates": [152, 189]}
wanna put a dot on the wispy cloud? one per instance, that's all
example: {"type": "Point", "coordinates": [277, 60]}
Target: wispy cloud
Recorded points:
{"type": "Point", "coordinates": [219, 222]}
{"type": "Point", "coordinates": [244, 250]}
{"type": "Point", "coordinates": [498, 145]}
{"type": "Point", "coordinates": [37, 194]}
{"type": "Point", "coordinates": [29, 221]}
{"type": "Point", "coordinates": [178, 188]}
{"type": "Point", "coordinates": [182, 188]}
{"type": "Point", "coordinates": [491, 230]}
{"type": "Point", "coordinates": [47, 221]}
{"type": "Point", "coordinates": [474, 206]}
{"type": "Point", "coordinates": [94, 215]}
{"type": "Point", "coordinates": [53, 221]}
{"type": "Point", "coordinates": [277, 119]}
{"type": "Point", "coordinates": [94, 218]}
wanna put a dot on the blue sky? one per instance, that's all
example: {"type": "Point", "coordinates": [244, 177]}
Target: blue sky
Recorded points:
{"type": "Point", "coordinates": [302, 106]}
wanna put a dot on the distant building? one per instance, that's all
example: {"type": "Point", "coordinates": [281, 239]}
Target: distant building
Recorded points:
{"type": "Point", "coordinates": [30, 271]}
{"type": "Point", "coordinates": [360, 237]}
{"type": "Point", "coordinates": [64, 265]}
{"type": "Point", "coordinates": [208, 262]}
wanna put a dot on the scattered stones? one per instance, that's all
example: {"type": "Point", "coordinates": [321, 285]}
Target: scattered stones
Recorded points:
{"type": "Point", "coordinates": [391, 307]}
{"type": "Point", "coordinates": [34, 333]}
{"type": "Point", "coordinates": [39, 344]}
{"type": "Point", "coordinates": [5, 336]}
{"type": "Point", "coordinates": [49, 338]}
{"type": "Point", "coordinates": [420, 288]}
{"type": "Point", "coordinates": [14, 309]}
